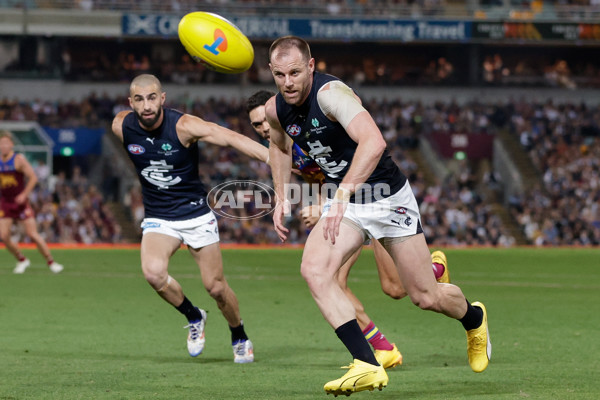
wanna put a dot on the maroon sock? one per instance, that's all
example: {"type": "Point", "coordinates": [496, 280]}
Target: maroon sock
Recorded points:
{"type": "Point", "coordinates": [376, 338]}
{"type": "Point", "coordinates": [438, 270]}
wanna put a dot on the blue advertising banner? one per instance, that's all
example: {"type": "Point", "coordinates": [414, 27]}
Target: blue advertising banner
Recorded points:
{"type": "Point", "coordinates": [314, 28]}
{"type": "Point", "coordinates": [404, 31]}
{"type": "Point", "coordinates": [76, 141]}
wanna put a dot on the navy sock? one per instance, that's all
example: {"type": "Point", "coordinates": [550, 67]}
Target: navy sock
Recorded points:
{"type": "Point", "coordinates": [238, 333]}
{"type": "Point", "coordinates": [187, 308]}
{"type": "Point", "coordinates": [351, 335]}
{"type": "Point", "coordinates": [473, 318]}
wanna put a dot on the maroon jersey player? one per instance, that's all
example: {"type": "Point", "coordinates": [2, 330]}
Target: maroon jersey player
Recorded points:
{"type": "Point", "coordinates": [17, 180]}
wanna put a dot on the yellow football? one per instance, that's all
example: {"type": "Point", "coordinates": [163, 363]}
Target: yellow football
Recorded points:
{"type": "Point", "coordinates": [215, 42]}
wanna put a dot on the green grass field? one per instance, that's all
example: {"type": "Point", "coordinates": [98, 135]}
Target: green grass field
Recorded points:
{"type": "Point", "coordinates": [98, 331]}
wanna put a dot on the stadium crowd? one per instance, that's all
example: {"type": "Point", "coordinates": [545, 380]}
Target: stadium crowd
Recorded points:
{"type": "Point", "coordinates": [455, 214]}
{"type": "Point", "coordinates": [453, 211]}
{"type": "Point", "coordinates": [379, 68]}
{"type": "Point", "coordinates": [561, 139]}
{"type": "Point", "coordinates": [73, 59]}
{"type": "Point", "coordinates": [71, 211]}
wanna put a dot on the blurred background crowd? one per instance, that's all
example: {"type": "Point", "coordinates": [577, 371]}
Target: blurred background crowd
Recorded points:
{"type": "Point", "coordinates": [464, 201]}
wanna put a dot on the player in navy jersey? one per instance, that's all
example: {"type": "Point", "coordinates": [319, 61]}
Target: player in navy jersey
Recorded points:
{"type": "Point", "coordinates": [386, 353]}
{"type": "Point", "coordinates": [162, 143]}
{"type": "Point", "coordinates": [371, 199]}
{"type": "Point", "coordinates": [17, 180]}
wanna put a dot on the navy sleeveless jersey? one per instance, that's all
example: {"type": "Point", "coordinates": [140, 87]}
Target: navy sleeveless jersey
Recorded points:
{"type": "Point", "coordinates": [168, 171]}
{"type": "Point", "coordinates": [330, 146]}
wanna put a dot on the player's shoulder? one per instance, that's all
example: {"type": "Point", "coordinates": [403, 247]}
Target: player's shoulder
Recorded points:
{"type": "Point", "coordinates": [20, 160]}
{"type": "Point", "coordinates": [271, 108]}
{"type": "Point", "coordinates": [191, 128]}
{"type": "Point", "coordinates": [122, 114]}
{"type": "Point", "coordinates": [120, 117]}
{"type": "Point", "coordinates": [187, 121]}
{"type": "Point", "coordinates": [321, 80]}
{"type": "Point", "coordinates": [335, 86]}
{"type": "Point", "coordinates": [335, 93]}
{"type": "Point", "coordinates": [271, 114]}
{"type": "Point", "coordinates": [117, 125]}
{"type": "Point", "coordinates": [272, 102]}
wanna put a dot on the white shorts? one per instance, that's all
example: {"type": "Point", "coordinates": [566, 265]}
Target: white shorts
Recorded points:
{"type": "Point", "coordinates": [196, 232]}
{"type": "Point", "coordinates": [393, 217]}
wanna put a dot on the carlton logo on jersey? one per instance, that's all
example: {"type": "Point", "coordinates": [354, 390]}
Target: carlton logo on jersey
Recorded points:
{"type": "Point", "coordinates": [156, 174]}
{"type": "Point", "coordinates": [293, 130]}
{"type": "Point", "coordinates": [136, 149]}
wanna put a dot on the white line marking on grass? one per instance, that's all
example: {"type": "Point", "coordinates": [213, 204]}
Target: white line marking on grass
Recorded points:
{"type": "Point", "coordinates": [292, 278]}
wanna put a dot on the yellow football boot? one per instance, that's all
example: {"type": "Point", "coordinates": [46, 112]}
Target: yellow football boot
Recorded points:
{"type": "Point", "coordinates": [479, 347]}
{"type": "Point", "coordinates": [439, 257]}
{"type": "Point", "coordinates": [361, 376]}
{"type": "Point", "coordinates": [389, 358]}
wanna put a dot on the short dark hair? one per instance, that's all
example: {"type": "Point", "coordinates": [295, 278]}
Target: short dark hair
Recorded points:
{"type": "Point", "coordinates": [287, 42]}
{"type": "Point", "coordinates": [258, 99]}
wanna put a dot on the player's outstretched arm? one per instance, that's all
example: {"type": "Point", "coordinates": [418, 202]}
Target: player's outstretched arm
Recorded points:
{"type": "Point", "coordinates": [191, 129]}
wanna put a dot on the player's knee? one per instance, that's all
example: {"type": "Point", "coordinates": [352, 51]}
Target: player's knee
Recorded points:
{"type": "Point", "coordinates": [5, 237]}
{"type": "Point", "coordinates": [157, 281]}
{"type": "Point", "coordinates": [307, 268]}
{"type": "Point", "coordinates": [32, 233]}
{"type": "Point", "coordinates": [394, 291]}
{"type": "Point", "coordinates": [216, 290]}
{"type": "Point", "coordinates": [156, 277]}
{"type": "Point", "coordinates": [314, 274]}
{"type": "Point", "coordinates": [424, 301]}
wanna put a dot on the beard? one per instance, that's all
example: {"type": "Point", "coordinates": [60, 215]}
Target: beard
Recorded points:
{"type": "Point", "coordinates": [148, 123]}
